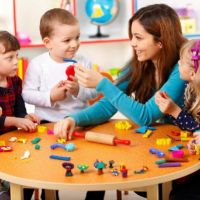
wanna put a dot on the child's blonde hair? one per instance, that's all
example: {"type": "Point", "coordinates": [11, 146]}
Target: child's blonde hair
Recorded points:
{"type": "Point", "coordinates": [192, 92]}
{"type": "Point", "coordinates": [53, 17]}
{"type": "Point", "coordinates": [9, 41]}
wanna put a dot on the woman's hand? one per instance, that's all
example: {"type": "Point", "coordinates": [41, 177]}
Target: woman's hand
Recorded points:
{"type": "Point", "coordinates": [167, 105]}
{"type": "Point", "coordinates": [0, 111]}
{"type": "Point", "coordinates": [65, 128]}
{"type": "Point", "coordinates": [88, 78]}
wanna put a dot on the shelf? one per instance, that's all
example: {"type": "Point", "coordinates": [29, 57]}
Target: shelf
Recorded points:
{"type": "Point", "coordinates": [26, 21]}
{"type": "Point", "coordinates": [176, 4]}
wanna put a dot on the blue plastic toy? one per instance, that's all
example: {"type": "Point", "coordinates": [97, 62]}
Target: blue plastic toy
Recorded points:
{"type": "Point", "coordinates": [68, 147]}
{"type": "Point", "coordinates": [159, 153]}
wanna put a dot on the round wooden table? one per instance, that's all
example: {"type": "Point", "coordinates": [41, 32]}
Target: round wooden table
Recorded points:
{"type": "Point", "coordinates": [44, 172]}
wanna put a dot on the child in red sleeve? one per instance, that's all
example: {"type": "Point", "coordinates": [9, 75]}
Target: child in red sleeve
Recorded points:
{"type": "Point", "coordinates": [14, 113]}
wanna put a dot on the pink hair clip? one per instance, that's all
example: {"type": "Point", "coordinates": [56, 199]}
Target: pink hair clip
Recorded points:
{"type": "Point", "coordinates": [195, 55]}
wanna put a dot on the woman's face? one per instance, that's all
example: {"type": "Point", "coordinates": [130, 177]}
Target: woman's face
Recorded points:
{"type": "Point", "coordinates": [144, 44]}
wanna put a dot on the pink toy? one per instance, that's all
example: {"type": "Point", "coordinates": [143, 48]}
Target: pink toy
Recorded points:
{"type": "Point", "coordinates": [177, 154]}
{"type": "Point", "coordinates": [50, 132]}
{"type": "Point", "coordinates": [23, 38]}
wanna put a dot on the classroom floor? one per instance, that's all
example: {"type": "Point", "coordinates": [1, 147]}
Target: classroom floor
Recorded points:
{"type": "Point", "coordinates": [110, 195]}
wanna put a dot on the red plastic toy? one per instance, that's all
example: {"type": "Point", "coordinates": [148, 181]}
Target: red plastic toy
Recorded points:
{"type": "Point", "coordinates": [70, 71]}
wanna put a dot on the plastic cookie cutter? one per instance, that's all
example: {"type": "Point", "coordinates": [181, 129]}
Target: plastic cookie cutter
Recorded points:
{"type": "Point", "coordinates": [159, 153]}
{"type": "Point", "coordinates": [70, 70]}
{"type": "Point", "coordinates": [176, 147]}
{"type": "Point", "coordinates": [5, 148]}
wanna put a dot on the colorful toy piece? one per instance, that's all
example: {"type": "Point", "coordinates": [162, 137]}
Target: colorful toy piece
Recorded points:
{"type": "Point", "coordinates": [60, 157]}
{"type": "Point", "coordinates": [123, 125]}
{"type": "Point", "coordinates": [26, 154]}
{"type": "Point", "coordinates": [101, 138]}
{"type": "Point", "coordinates": [95, 163]}
{"type": "Point", "coordinates": [22, 140]}
{"type": "Point", "coordinates": [175, 134]}
{"type": "Point", "coordinates": [176, 147]}
{"type": "Point", "coordinates": [185, 134]}
{"type": "Point", "coordinates": [12, 139]}
{"type": "Point", "coordinates": [37, 146]}
{"type": "Point", "coordinates": [68, 166]}
{"type": "Point", "coordinates": [111, 162]}
{"type": "Point", "coordinates": [41, 129]}
{"type": "Point", "coordinates": [70, 70]}
{"type": "Point", "coordinates": [142, 171]}
{"type": "Point", "coordinates": [197, 149]}
{"type": "Point", "coordinates": [68, 147]}
{"type": "Point", "coordinates": [5, 148]}
{"type": "Point", "coordinates": [170, 165]}
{"type": "Point", "coordinates": [163, 141]}
{"type": "Point", "coordinates": [36, 140]}
{"type": "Point", "coordinates": [124, 171]}
{"type": "Point", "coordinates": [177, 154]}
{"type": "Point", "coordinates": [100, 166]}
{"type": "Point", "coordinates": [62, 140]}
{"type": "Point", "coordinates": [82, 167]}
{"type": "Point", "coordinates": [147, 134]}
{"type": "Point", "coordinates": [50, 132]}
{"type": "Point", "coordinates": [115, 172]}
{"type": "Point", "coordinates": [159, 153]}
{"type": "Point", "coordinates": [143, 129]}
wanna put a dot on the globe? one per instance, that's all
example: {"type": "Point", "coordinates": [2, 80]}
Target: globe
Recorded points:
{"type": "Point", "coordinates": [101, 12]}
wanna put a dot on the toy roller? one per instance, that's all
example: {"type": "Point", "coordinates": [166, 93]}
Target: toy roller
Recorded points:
{"type": "Point", "coordinates": [101, 138]}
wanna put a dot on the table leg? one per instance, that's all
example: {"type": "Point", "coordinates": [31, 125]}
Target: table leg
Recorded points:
{"type": "Point", "coordinates": [152, 192]}
{"type": "Point", "coordinates": [50, 194]}
{"type": "Point", "coordinates": [166, 188]}
{"type": "Point", "coordinates": [16, 192]}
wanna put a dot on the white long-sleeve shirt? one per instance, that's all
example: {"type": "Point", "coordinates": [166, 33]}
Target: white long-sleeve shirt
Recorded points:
{"type": "Point", "coordinates": [42, 75]}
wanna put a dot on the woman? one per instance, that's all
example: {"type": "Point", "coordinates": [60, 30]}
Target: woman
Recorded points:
{"type": "Point", "coordinates": [156, 38]}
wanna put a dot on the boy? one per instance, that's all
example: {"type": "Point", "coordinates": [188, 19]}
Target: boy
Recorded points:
{"type": "Point", "coordinates": [13, 109]}
{"type": "Point", "coordinates": [43, 85]}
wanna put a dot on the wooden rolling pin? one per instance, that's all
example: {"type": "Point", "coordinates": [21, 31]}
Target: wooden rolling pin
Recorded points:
{"type": "Point", "coordinates": [101, 138]}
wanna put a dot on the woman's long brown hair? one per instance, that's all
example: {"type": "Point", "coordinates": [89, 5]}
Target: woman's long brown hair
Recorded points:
{"type": "Point", "coordinates": [163, 23]}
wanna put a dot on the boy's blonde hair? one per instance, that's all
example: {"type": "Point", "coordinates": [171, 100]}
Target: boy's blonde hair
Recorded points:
{"type": "Point", "coordinates": [56, 16]}
{"type": "Point", "coordinates": [9, 41]}
{"type": "Point", "coordinates": [192, 92]}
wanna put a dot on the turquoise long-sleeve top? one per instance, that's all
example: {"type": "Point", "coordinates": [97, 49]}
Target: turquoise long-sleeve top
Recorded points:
{"type": "Point", "coordinates": [115, 100]}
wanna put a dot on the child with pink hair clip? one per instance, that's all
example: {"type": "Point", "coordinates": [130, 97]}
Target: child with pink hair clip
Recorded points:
{"type": "Point", "coordinates": [188, 117]}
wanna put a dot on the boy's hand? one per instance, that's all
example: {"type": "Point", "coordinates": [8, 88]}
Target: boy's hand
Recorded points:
{"type": "Point", "coordinates": [197, 138]}
{"type": "Point", "coordinates": [72, 86]}
{"type": "Point", "coordinates": [191, 148]}
{"type": "Point", "coordinates": [33, 117]}
{"type": "Point", "coordinates": [65, 128]}
{"type": "Point", "coordinates": [167, 105]}
{"type": "Point", "coordinates": [26, 124]}
{"type": "Point", "coordinates": [58, 93]}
